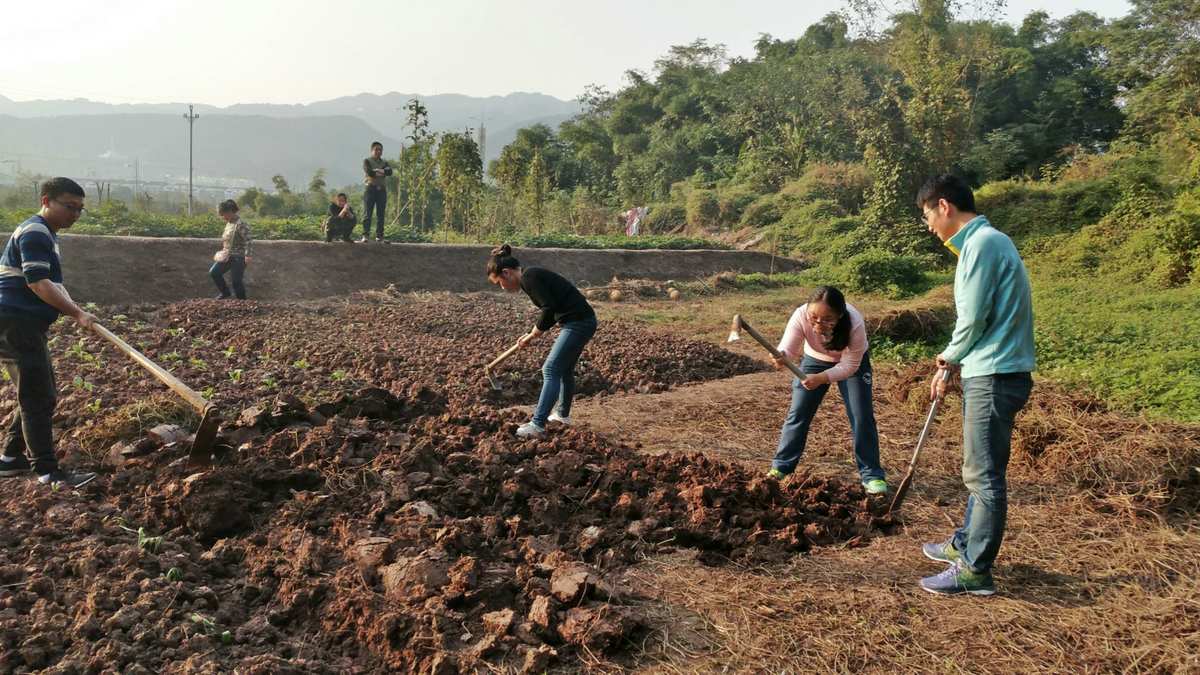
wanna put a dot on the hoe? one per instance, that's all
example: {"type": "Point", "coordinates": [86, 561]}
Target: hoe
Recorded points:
{"type": "Point", "coordinates": [489, 368]}
{"type": "Point", "coordinates": [201, 452]}
{"type": "Point", "coordinates": [735, 334]}
{"type": "Point", "coordinates": [906, 482]}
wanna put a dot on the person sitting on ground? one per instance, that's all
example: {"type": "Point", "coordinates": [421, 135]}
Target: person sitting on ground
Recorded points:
{"type": "Point", "coordinates": [831, 337]}
{"type": "Point", "coordinates": [561, 303]}
{"type": "Point", "coordinates": [31, 299]}
{"type": "Point", "coordinates": [234, 254]}
{"type": "Point", "coordinates": [992, 349]}
{"type": "Point", "coordinates": [341, 220]}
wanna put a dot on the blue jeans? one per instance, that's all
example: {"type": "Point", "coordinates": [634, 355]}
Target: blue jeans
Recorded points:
{"type": "Point", "coordinates": [990, 405]}
{"type": "Point", "coordinates": [235, 264]}
{"type": "Point", "coordinates": [376, 199]}
{"type": "Point", "coordinates": [558, 373]}
{"type": "Point", "coordinates": [856, 392]}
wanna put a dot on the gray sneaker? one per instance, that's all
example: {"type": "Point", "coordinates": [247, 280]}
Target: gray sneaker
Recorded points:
{"type": "Point", "coordinates": [530, 430]}
{"type": "Point", "coordinates": [942, 551]}
{"type": "Point", "coordinates": [72, 479]}
{"type": "Point", "coordinates": [958, 579]}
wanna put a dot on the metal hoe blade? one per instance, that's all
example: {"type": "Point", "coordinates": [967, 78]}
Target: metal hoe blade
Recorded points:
{"type": "Point", "coordinates": [200, 455]}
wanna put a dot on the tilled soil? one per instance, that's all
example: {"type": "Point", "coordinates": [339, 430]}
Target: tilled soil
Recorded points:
{"type": "Point", "coordinates": [371, 508]}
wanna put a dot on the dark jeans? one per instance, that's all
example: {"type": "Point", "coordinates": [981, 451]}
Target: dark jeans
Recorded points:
{"type": "Point", "coordinates": [990, 406]}
{"type": "Point", "coordinates": [376, 199]}
{"type": "Point", "coordinates": [237, 265]}
{"type": "Point", "coordinates": [25, 356]}
{"type": "Point", "coordinates": [339, 228]}
{"type": "Point", "coordinates": [860, 410]}
{"type": "Point", "coordinates": [558, 373]}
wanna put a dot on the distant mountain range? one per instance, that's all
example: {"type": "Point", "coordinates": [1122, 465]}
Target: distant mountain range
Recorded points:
{"type": "Point", "coordinates": [250, 141]}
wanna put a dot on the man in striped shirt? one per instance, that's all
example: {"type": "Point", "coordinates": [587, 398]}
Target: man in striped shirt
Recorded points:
{"type": "Point", "coordinates": [31, 298]}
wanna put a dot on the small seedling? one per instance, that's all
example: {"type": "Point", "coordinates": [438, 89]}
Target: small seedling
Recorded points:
{"type": "Point", "coordinates": [208, 392]}
{"type": "Point", "coordinates": [301, 363]}
{"type": "Point", "coordinates": [229, 352]}
{"type": "Point", "coordinates": [81, 383]}
{"type": "Point", "coordinates": [174, 332]}
{"type": "Point", "coordinates": [198, 363]}
{"type": "Point", "coordinates": [147, 543]}
{"type": "Point", "coordinates": [206, 625]}
{"type": "Point", "coordinates": [174, 574]}
{"type": "Point", "coordinates": [235, 375]}
{"type": "Point", "coordinates": [172, 356]}
{"type": "Point", "coordinates": [94, 406]}
{"type": "Point", "coordinates": [268, 382]}
{"type": "Point", "coordinates": [118, 318]}
{"type": "Point", "coordinates": [338, 375]}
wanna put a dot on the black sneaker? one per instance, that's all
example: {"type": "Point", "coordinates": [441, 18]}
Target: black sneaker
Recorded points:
{"type": "Point", "coordinates": [19, 466]}
{"type": "Point", "coordinates": [73, 479]}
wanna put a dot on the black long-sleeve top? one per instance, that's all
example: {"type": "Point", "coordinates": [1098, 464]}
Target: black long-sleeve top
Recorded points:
{"type": "Point", "coordinates": [558, 298]}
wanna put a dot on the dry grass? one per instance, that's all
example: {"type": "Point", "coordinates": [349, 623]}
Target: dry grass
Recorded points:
{"type": "Point", "coordinates": [1099, 571]}
{"type": "Point", "coordinates": [129, 422]}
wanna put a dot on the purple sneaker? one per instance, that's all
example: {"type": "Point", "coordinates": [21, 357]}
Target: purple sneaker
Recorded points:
{"type": "Point", "coordinates": [958, 579]}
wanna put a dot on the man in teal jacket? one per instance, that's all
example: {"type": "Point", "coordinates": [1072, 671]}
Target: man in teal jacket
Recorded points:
{"type": "Point", "coordinates": [992, 350]}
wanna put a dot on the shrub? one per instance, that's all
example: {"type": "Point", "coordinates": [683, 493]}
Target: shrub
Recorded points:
{"type": "Point", "coordinates": [732, 202]}
{"type": "Point", "coordinates": [762, 212]}
{"type": "Point", "coordinates": [703, 209]}
{"type": "Point", "coordinates": [664, 217]}
{"type": "Point", "coordinates": [880, 271]}
{"type": "Point", "coordinates": [843, 183]}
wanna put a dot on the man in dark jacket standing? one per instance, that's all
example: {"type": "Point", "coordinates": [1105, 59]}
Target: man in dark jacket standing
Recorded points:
{"type": "Point", "coordinates": [31, 298]}
{"type": "Point", "coordinates": [375, 170]}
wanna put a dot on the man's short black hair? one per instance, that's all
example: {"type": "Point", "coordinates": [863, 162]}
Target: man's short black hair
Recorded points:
{"type": "Point", "coordinates": [949, 187]}
{"type": "Point", "coordinates": [375, 143]}
{"type": "Point", "coordinates": [56, 187]}
{"type": "Point", "coordinates": [227, 206]}
{"type": "Point", "coordinates": [342, 194]}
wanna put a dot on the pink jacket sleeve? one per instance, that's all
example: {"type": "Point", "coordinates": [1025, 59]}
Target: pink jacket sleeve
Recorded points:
{"type": "Point", "coordinates": [852, 355]}
{"type": "Point", "coordinates": [792, 343]}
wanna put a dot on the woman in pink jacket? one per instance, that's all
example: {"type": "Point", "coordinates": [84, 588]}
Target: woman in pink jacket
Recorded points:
{"type": "Point", "coordinates": [832, 339]}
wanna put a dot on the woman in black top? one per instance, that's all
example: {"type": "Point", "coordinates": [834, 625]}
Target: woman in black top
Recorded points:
{"type": "Point", "coordinates": [560, 303]}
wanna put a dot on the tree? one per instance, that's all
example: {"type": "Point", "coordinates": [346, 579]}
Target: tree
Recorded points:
{"type": "Point", "coordinates": [460, 176]}
{"type": "Point", "coordinates": [416, 164]}
{"type": "Point", "coordinates": [537, 189]}
{"type": "Point", "coordinates": [316, 184]}
{"type": "Point", "coordinates": [281, 184]}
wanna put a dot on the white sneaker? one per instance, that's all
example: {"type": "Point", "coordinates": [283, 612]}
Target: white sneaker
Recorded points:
{"type": "Point", "coordinates": [529, 429]}
{"type": "Point", "coordinates": [555, 417]}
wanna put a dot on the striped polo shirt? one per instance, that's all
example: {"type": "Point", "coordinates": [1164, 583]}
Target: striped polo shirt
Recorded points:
{"type": "Point", "coordinates": [30, 255]}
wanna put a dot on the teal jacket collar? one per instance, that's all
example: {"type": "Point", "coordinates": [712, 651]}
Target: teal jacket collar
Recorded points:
{"type": "Point", "coordinates": [956, 243]}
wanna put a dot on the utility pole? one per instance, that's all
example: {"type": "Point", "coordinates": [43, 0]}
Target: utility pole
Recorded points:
{"type": "Point", "coordinates": [191, 118]}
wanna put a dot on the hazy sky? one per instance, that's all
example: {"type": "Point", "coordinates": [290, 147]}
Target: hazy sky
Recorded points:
{"type": "Point", "coordinates": [297, 51]}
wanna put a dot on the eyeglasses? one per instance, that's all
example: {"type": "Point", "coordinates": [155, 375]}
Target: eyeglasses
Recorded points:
{"type": "Point", "coordinates": [819, 321]}
{"type": "Point", "coordinates": [71, 207]}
